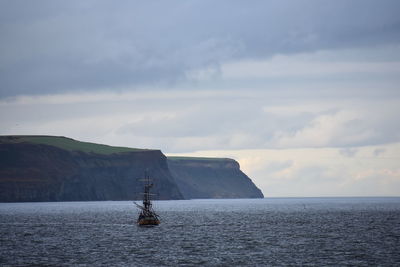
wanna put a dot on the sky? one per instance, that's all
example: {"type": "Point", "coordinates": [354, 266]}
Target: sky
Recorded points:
{"type": "Point", "coordinates": [304, 94]}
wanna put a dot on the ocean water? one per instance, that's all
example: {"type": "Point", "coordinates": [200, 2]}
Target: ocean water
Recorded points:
{"type": "Point", "coordinates": [245, 232]}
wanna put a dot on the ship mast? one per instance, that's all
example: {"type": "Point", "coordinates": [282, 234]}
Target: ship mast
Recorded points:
{"type": "Point", "coordinates": [147, 216]}
{"type": "Point", "coordinates": [146, 198]}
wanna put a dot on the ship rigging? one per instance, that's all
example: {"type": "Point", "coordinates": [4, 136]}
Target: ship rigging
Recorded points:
{"type": "Point", "coordinates": [147, 216]}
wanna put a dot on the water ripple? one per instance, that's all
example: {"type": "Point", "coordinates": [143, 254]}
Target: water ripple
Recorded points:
{"type": "Point", "coordinates": [275, 232]}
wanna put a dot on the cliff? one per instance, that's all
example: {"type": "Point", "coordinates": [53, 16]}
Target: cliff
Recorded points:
{"type": "Point", "coordinates": [49, 168]}
{"type": "Point", "coordinates": [211, 178]}
{"type": "Point", "coordinates": [36, 169]}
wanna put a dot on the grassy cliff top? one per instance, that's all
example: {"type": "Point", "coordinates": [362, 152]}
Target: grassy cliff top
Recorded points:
{"type": "Point", "coordinates": [67, 144]}
{"type": "Point", "coordinates": [199, 158]}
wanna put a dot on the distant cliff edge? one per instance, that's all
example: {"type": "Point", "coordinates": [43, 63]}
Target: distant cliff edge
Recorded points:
{"type": "Point", "coordinates": [50, 168]}
{"type": "Point", "coordinates": [211, 178]}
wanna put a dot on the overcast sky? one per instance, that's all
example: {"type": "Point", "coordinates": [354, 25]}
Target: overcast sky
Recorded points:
{"type": "Point", "coordinates": [304, 94]}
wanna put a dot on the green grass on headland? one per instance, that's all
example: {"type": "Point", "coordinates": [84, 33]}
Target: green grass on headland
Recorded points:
{"type": "Point", "coordinates": [198, 158]}
{"type": "Point", "coordinates": [67, 144]}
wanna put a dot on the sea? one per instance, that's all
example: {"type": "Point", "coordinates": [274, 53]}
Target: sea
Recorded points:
{"type": "Point", "coordinates": [225, 232]}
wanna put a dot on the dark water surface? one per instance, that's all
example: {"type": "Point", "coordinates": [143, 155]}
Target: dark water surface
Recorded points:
{"type": "Point", "coordinates": [256, 232]}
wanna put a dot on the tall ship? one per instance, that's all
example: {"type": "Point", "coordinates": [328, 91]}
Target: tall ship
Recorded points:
{"type": "Point", "coordinates": [147, 216]}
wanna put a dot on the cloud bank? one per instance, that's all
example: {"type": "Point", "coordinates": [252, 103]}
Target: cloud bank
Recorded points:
{"type": "Point", "coordinates": [49, 47]}
{"type": "Point", "coordinates": [181, 121]}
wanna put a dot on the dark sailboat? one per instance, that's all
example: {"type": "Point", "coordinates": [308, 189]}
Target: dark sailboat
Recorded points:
{"type": "Point", "coordinates": [147, 216]}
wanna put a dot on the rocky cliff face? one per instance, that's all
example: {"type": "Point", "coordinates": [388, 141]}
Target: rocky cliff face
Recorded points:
{"type": "Point", "coordinates": [36, 172]}
{"type": "Point", "coordinates": [211, 178]}
{"type": "Point", "coordinates": [49, 168]}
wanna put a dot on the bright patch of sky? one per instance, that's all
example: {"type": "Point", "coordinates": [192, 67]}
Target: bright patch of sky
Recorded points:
{"type": "Point", "coordinates": [304, 94]}
{"type": "Point", "coordinates": [368, 171]}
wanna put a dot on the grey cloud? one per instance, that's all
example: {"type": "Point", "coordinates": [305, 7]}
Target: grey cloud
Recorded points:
{"type": "Point", "coordinates": [207, 117]}
{"type": "Point", "coordinates": [179, 123]}
{"type": "Point", "coordinates": [348, 152]}
{"type": "Point", "coordinates": [379, 151]}
{"type": "Point", "coordinates": [231, 122]}
{"type": "Point", "coordinates": [277, 166]}
{"type": "Point", "coordinates": [54, 47]}
{"type": "Point", "coordinates": [316, 173]}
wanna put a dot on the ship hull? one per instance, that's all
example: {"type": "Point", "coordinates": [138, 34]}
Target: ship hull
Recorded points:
{"type": "Point", "coordinates": [149, 221]}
